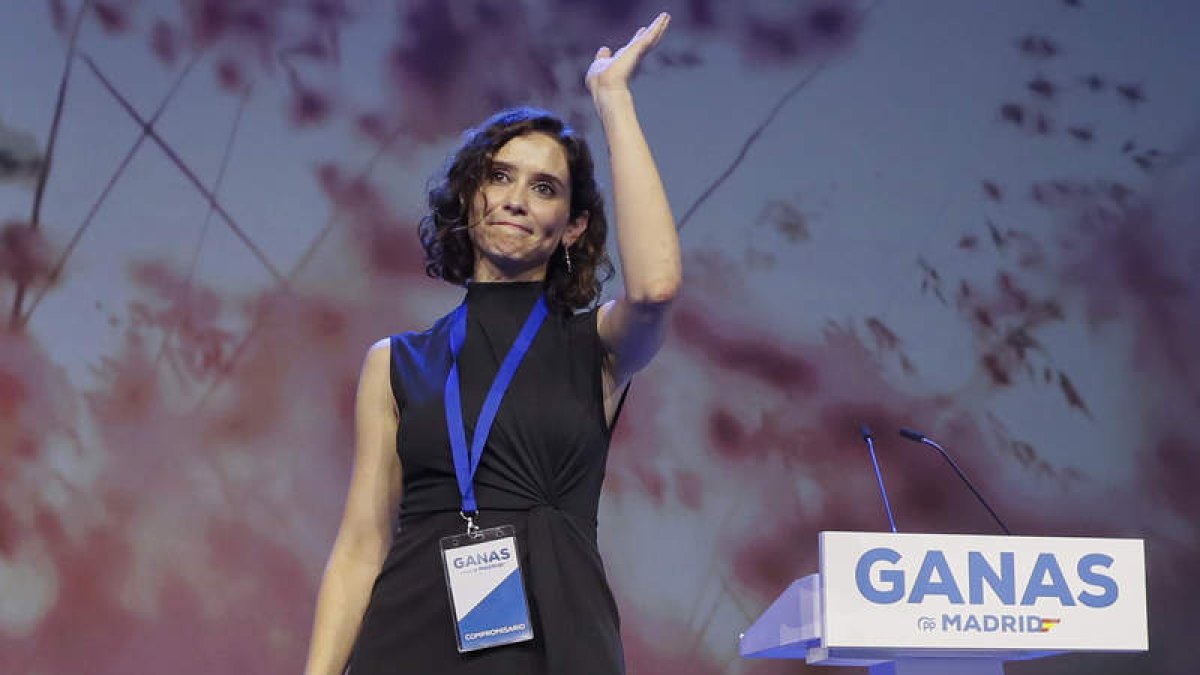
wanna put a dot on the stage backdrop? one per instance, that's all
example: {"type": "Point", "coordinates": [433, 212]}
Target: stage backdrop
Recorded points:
{"type": "Point", "coordinates": [975, 218]}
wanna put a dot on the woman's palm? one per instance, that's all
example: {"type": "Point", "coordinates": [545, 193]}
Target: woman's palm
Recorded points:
{"type": "Point", "coordinates": [612, 71]}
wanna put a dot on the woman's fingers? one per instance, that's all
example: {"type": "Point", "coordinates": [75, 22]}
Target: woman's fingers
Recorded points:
{"type": "Point", "coordinates": [651, 34]}
{"type": "Point", "coordinates": [659, 27]}
{"type": "Point", "coordinates": [616, 67]}
{"type": "Point", "coordinates": [663, 21]}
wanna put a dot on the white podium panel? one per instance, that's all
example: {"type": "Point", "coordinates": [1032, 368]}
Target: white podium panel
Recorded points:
{"type": "Point", "coordinates": [937, 591]}
{"type": "Point", "coordinates": [934, 604]}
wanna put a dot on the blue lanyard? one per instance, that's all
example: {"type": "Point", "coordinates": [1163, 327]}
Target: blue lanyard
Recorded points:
{"type": "Point", "coordinates": [466, 464]}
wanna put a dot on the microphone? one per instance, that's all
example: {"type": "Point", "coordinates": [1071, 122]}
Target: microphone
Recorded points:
{"type": "Point", "coordinates": [919, 437]}
{"type": "Point", "coordinates": [866, 435]}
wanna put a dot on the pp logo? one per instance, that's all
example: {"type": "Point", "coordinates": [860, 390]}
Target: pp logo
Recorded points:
{"type": "Point", "coordinates": [927, 623]}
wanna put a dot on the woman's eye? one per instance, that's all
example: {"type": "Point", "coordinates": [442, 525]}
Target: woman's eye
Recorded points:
{"type": "Point", "coordinates": [497, 176]}
{"type": "Point", "coordinates": [544, 189]}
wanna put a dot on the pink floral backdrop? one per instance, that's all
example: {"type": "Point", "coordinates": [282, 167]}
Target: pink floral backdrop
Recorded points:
{"type": "Point", "coordinates": [978, 219]}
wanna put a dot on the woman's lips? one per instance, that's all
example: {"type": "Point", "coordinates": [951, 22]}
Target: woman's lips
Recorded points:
{"type": "Point", "coordinates": [506, 223]}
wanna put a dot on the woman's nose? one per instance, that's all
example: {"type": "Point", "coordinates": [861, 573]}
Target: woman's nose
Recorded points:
{"type": "Point", "coordinates": [514, 199]}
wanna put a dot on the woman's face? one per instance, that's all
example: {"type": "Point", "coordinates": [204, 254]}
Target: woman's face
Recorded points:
{"type": "Point", "coordinates": [522, 210]}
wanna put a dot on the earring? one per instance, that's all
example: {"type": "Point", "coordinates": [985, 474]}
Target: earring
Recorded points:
{"type": "Point", "coordinates": [567, 258]}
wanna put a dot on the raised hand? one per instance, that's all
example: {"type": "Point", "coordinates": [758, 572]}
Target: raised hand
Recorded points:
{"type": "Point", "coordinates": [611, 71]}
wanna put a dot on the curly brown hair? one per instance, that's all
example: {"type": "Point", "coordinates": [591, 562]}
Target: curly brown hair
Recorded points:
{"type": "Point", "coordinates": [449, 254]}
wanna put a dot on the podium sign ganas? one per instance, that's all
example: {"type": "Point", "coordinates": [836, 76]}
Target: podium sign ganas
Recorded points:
{"type": "Point", "coordinates": [925, 604]}
{"type": "Point", "coordinates": [937, 591]}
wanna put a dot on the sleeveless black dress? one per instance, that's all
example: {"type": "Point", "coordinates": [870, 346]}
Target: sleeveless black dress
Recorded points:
{"type": "Point", "coordinates": [541, 472]}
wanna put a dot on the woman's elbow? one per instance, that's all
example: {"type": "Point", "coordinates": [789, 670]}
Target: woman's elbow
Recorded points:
{"type": "Point", "coordinates": [658, 293]}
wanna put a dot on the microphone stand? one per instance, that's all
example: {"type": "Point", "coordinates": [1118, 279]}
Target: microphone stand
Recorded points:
{"type": "Point", "coordinates": [866, 435]}
{"type": "Point", "coordinates": [922, 438]}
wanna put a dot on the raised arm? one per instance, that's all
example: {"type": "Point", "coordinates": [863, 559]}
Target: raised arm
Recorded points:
{"type": "Point", "coordinates": [367, 521]}
{"type": "Point", "coordinates": [632, 326]}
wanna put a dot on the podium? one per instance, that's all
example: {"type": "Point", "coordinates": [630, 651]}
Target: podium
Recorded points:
{"type": "Point", "coordinates": [938, 604]}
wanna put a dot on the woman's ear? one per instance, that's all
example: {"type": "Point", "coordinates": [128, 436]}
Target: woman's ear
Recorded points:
{"type": "Point", "coordinates": [576, 227]}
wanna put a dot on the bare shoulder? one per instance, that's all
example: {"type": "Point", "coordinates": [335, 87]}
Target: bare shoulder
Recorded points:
{"type": "Point", "coordinates": [381, 351]}
{"type": "Point", "coordinates": [605, 331]}
{"type": "Point", "coordinates": [374, 381]}
{"type": "Point", "coordinates": [603, 312]}
{"type": "Point", "coordinates": [632, 332]}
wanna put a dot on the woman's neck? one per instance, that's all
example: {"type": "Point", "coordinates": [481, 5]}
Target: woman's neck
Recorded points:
{"type": "Point", "coordinates": [486, 272]}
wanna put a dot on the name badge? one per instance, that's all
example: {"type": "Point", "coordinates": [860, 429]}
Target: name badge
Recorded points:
{"type": "Point", "coordinates": [487, 593]}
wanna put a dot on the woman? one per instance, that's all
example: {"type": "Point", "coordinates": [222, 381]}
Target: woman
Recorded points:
{"type": "Point", "coordinates": [517, 218]}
